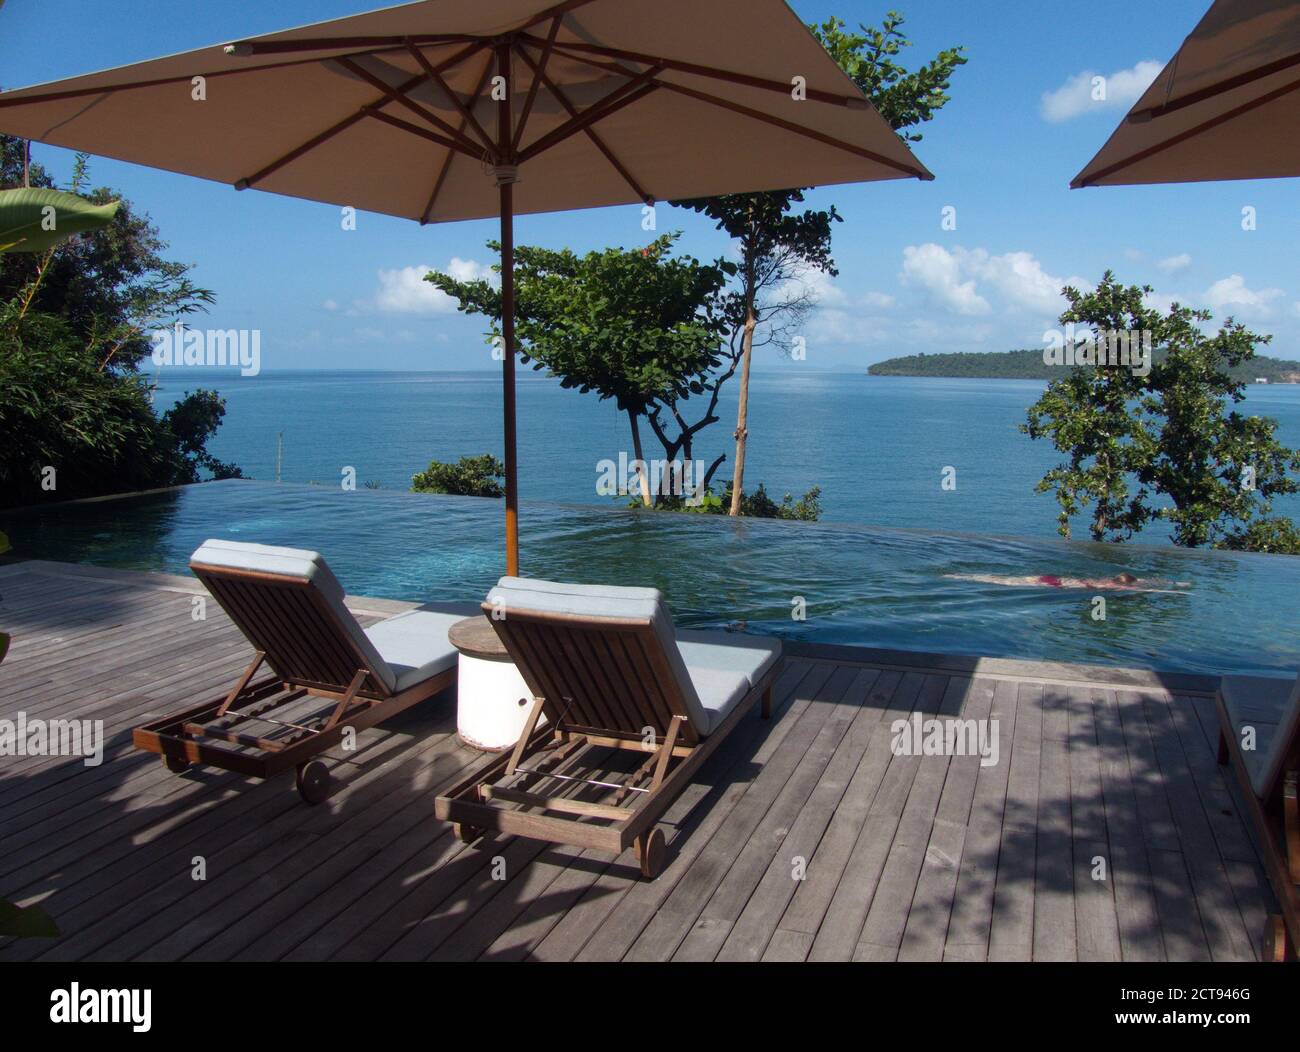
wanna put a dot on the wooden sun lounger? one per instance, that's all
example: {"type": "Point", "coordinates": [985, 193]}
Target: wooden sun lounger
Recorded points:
{"type": "Point", "coordinates": [1265, 713]}
{"type": "Point", "coordinates": [607, 671]}
{"type": "Point", "coordinates": [307, 645]}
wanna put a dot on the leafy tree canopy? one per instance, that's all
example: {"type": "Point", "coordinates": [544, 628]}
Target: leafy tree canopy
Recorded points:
{"type": "Point", "coordinates": [1169, 446]}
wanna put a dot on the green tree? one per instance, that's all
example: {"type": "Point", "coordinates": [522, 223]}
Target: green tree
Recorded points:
{"type": "Point", "coordinates": [636, 326]}
{"type": "Point", "coordinates": [778, 244]}
{"type": "Point", "coordinates": [479, 476]}
{"type": "Point", "coordinates": [1167, 446]}
{"type": "Point", "coordinates": [74, 324]}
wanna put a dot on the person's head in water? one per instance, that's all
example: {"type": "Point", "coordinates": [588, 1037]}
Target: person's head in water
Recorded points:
{"type": "Point", "coordinates": [1126, 578]}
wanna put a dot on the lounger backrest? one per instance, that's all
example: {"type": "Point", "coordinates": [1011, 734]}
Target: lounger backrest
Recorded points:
{"type": "Point", "coordinates": [1285, 746]}
{"type": "Point", "coordinates": [289, 605]}
{"type": "Point", "coordinates": [601, 657]}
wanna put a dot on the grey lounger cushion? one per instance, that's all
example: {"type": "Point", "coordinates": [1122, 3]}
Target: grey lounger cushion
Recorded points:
{"type": "Point", "coordinates": [402, 656]}
{"type": "Point", "coordinates": [414, 644]}
{"type": "Point", "coordinates": [714, 670]}
{"type": "Point", "coordinates": [1272, 707]}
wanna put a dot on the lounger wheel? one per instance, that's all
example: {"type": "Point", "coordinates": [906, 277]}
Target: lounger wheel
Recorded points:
{"type": "Point", "coordinates": [465, 834]}
{"type": "Point", "coordinates": [650, 852]}
{"type": "Point", "coordinates": [176, 764]}
{"type": "Point", "coordinates": [1275, 939]}
{"type": "Point", "coordinates": [313, 781]}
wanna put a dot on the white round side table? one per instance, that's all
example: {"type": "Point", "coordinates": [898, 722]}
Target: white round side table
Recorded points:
{"type": "Point", "coordinates": [492, 699]}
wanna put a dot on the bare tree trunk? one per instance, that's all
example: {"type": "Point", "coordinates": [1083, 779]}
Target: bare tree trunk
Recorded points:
{"type": "Point", "coordinates": [742, 432]}
{"type": "Point", "coordinates": [643, 474]}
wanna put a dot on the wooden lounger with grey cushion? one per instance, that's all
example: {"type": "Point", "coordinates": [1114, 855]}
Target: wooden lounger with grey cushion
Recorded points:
{"type": "Point", "coordinates": [1260, 720]}
{"type": "Point", "coordinates": [290, 607]}
{"type": "Point", "coordinates": [607, 671]}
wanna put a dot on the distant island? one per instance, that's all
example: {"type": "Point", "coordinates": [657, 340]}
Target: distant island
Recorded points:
{"type": "Point", "coordinates": [1028, 365]}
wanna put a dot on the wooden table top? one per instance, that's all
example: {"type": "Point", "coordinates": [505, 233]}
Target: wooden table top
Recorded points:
{"type": "Point", "coordinates": [476, 637]}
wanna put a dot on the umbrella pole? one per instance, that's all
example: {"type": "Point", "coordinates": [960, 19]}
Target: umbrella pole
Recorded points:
{"type": "Point", "coordinates": [508, 374]}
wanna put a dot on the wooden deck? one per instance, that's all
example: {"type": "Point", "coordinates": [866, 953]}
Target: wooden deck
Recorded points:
{"type": "Point", "coordinates": [902, 857]}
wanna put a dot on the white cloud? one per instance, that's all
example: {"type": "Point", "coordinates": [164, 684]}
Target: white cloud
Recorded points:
{"type": "Point", "coordinates": [1175, 263]}
{"type": "Point", "coordinates": [939, 272]}
{"type": "Point", "coordinates": [968, 281]}
{"type": "Point", "coordinates": [1079, 94]}
{"type": "Point", "coordinates": [330, 305]}
{"type": "Point", "coordinates": [1231, 295]}
{"type": "Point", "coordinates": [404, 290]}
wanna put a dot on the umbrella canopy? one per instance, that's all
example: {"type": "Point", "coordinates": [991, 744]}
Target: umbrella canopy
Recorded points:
{"type": "Point", "coordinates": [1226, 107]}
{"type": "Point", "coordinates": [462, 109]}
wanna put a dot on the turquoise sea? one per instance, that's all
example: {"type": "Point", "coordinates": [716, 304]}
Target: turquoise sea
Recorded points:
{"type": "Point", "coordinates": [877, 446]}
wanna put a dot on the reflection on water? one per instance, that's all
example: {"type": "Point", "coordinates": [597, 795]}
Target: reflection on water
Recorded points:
{"type": "Point", "coordinates": [867, 586]}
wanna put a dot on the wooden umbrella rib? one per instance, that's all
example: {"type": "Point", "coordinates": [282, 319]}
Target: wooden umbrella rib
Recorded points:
{"type": "Point", "coordinates": [634, 90]}
{"type": "Point", "coordinates": [767, 118]}
{"type": "Point", "coordinates": [466, 112]}
{"type": "Point", "coordinates": [451, 155]}
{"type": "Point", "coordinates": [1182, 137]}
{"type": "Point", "coordinates": [347, 122]}
{"type": "Point", "coordinates": [596, 140]}
{"type": "Point", "coordinates": [797, 129]}
{"type": "Point", "coordinates": [364, 45]}
{"type": "Point", "coordinates": [425, 133]}
{"type": "Point", "coordinates": [813, 94]}
{"type": "Point", "coordinates": [537, 80]}
{"type": "Point", "coordinates": [402, 99]}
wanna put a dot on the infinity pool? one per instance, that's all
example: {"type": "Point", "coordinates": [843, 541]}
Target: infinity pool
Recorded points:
{"type": "Point", "coordinates": [866, 586]}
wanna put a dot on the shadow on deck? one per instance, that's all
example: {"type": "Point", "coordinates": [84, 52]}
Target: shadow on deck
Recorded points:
{"type": "Point", "coordinates": [1106, 831]}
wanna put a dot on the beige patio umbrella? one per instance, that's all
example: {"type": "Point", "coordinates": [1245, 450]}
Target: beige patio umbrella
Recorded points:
{"type": "Point", "coordinates": [463, 109]}
{"type": "Point", "coordinates": [1227, 106]}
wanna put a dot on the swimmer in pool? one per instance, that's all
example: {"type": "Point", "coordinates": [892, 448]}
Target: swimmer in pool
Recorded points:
{"type": "Point", "coordinates": [1124, 582]}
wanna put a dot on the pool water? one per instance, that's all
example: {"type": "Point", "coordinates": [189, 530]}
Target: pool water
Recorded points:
{"type": "Point", "coordinates": [858, 585]}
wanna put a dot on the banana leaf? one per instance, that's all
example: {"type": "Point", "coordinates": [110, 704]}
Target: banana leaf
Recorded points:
{"type": "Point", "coordinates": [23, 218]}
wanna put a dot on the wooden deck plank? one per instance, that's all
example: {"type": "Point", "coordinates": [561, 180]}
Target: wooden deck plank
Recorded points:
{"type": "Point", "coordinates": [1096, 923]}
{"type": "Point", "coordinates": [967, 938]}
{"type": "Point", "coordinates": [932, 904]}
{"type": "Point", "coordinates": [891, 905]}
{"type": "Point", "coordinates": [1011, 935]}
{"type": "Point", "coordinates": [1055, 936]}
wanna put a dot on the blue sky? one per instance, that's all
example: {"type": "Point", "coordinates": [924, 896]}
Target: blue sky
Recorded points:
{"type": "Point", "coordinates": [1017, 129]}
